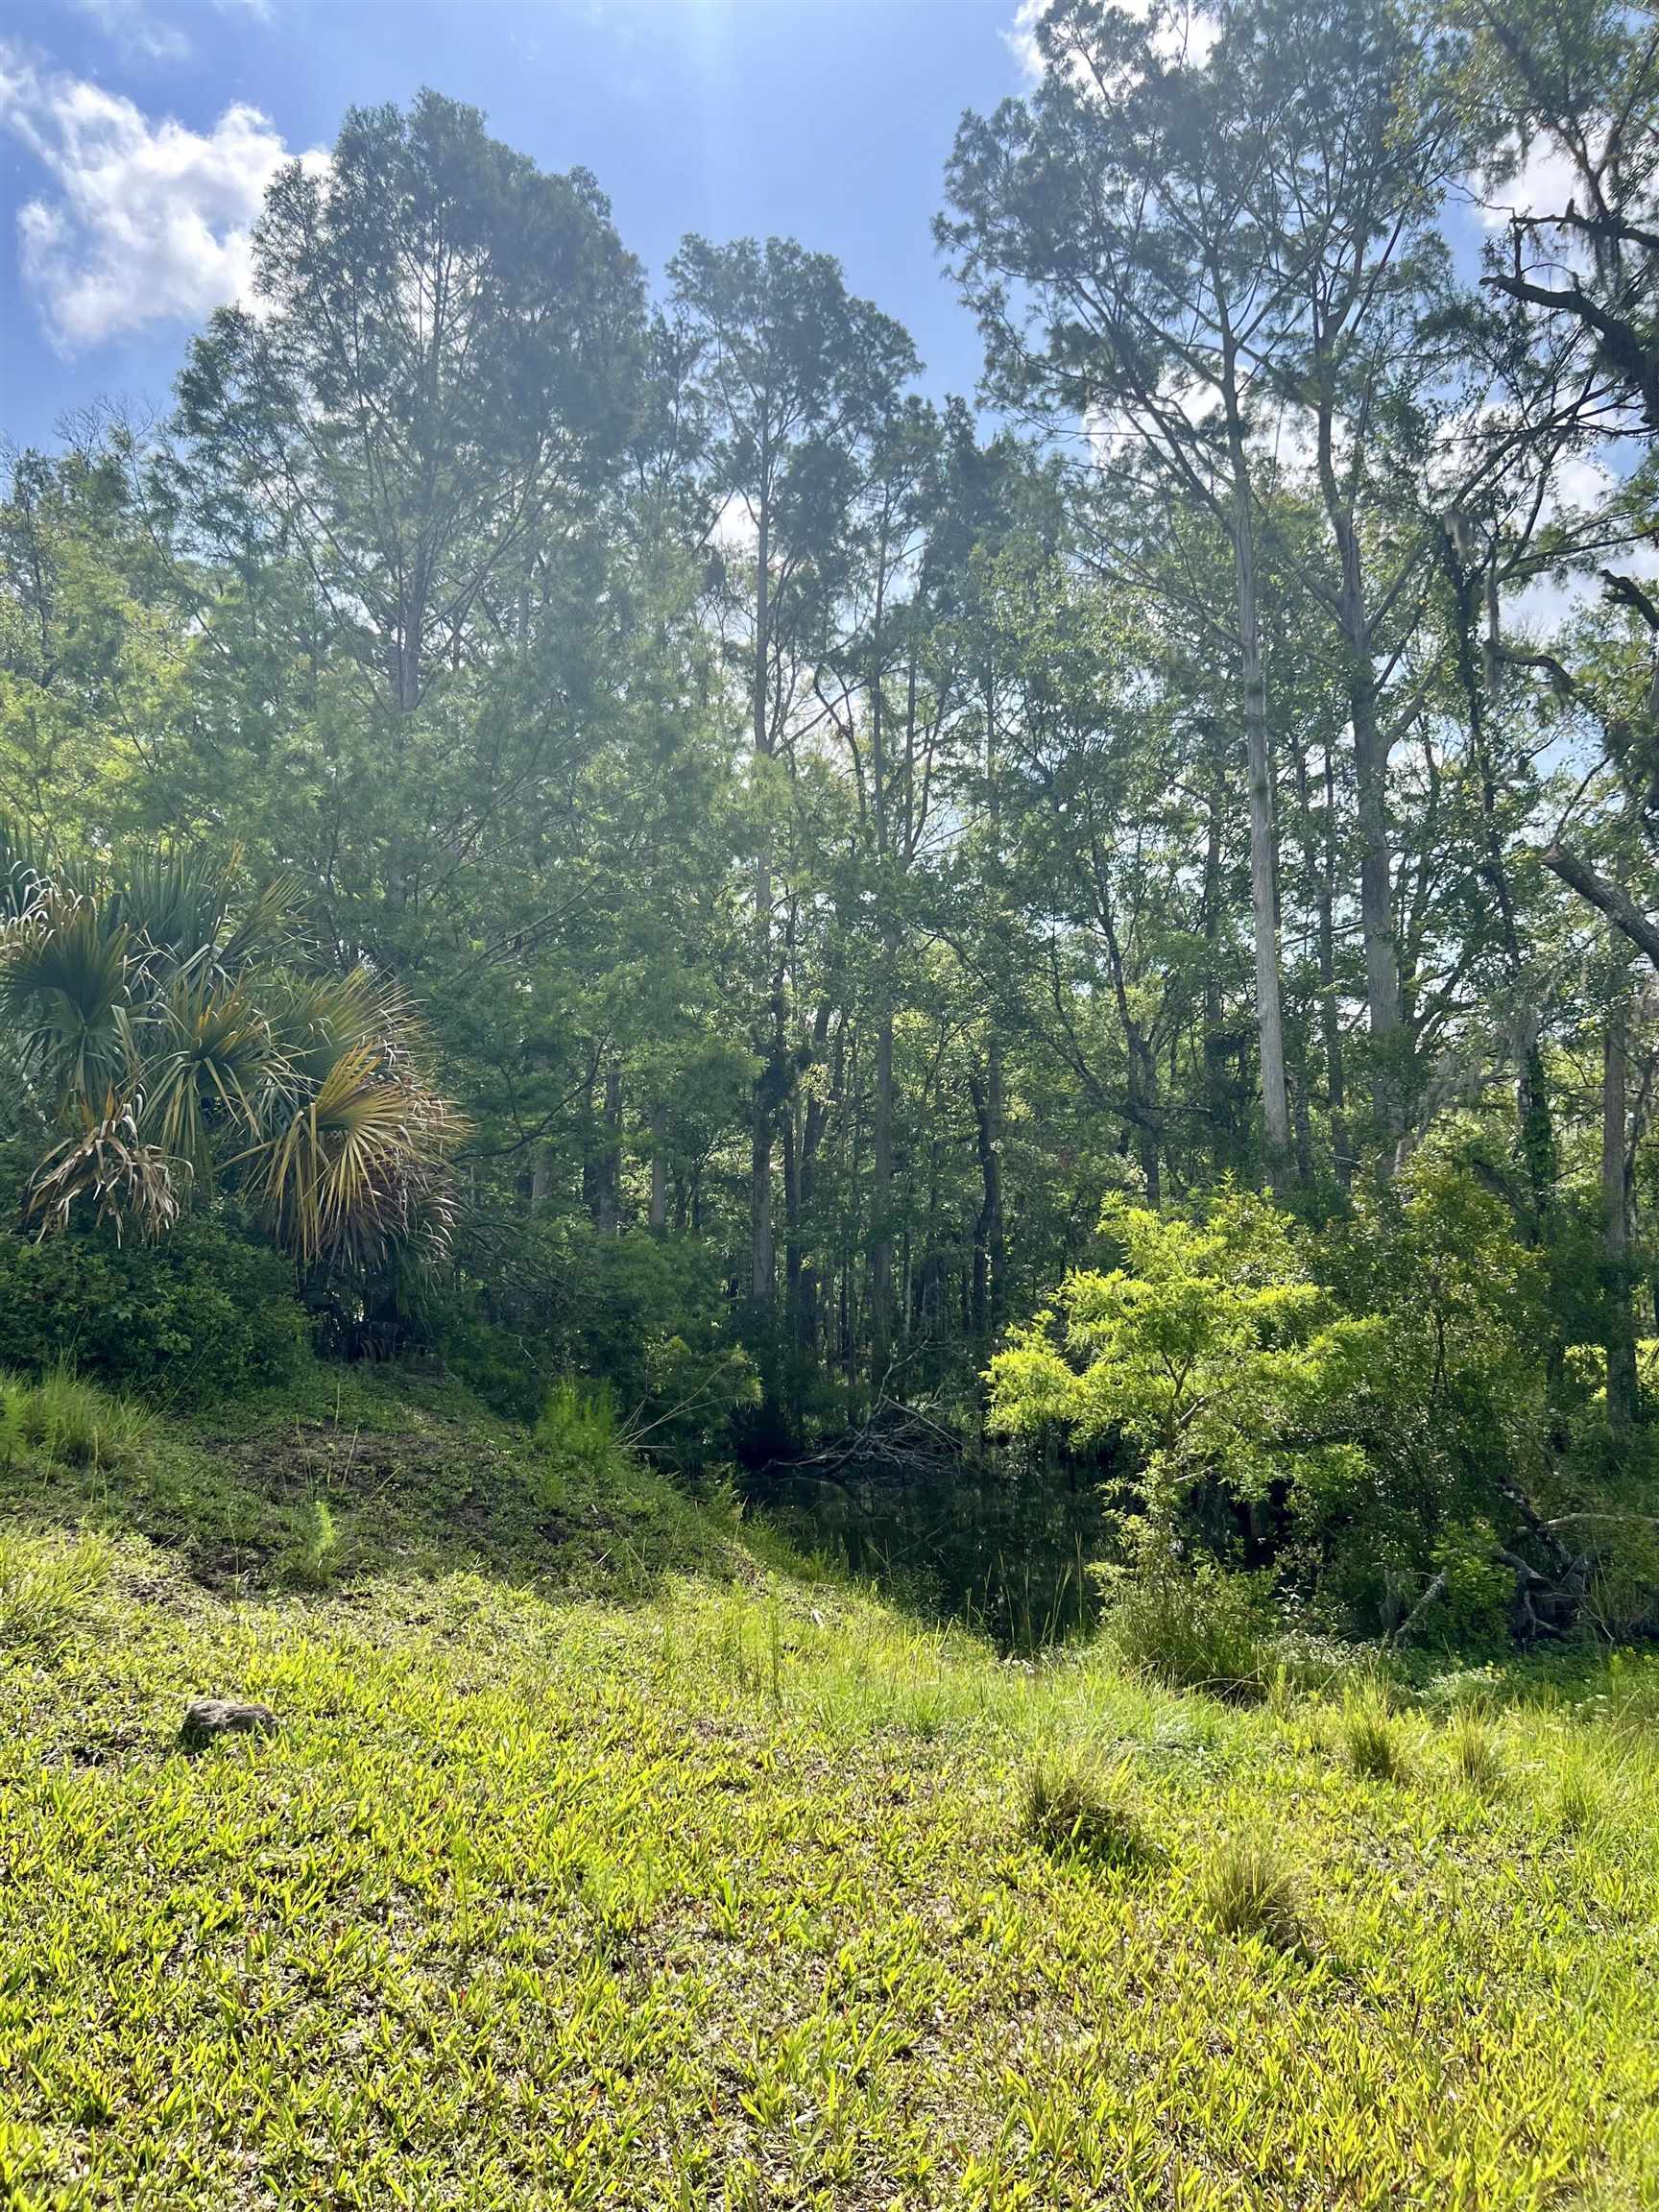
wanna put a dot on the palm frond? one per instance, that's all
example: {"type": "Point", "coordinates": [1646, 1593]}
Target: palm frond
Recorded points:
{"type": "Point", "coordinates": [64, 980]}
{"type": "Point", "coordinates": [210, 1069]}
{"type": "Point", "coordinates": [128, 1183]}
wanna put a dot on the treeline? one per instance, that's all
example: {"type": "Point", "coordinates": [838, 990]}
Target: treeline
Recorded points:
{"type": "Point", "coordinates": [838, 841]}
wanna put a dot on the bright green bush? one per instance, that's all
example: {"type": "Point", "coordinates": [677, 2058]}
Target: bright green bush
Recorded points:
{"type": "Point", "coordinates": [203, 1313]}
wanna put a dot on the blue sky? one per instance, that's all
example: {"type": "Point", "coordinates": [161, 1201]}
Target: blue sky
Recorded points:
{"type": "Point", "coordinates": [136, 135]}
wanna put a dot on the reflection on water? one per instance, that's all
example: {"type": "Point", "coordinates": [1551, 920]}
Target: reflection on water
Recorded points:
{"type": "Point", "coordinates": [991, 1538]}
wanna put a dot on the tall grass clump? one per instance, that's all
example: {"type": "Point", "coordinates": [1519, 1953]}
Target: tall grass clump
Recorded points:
{"type": "Point", "coordinates": [1476, 1757]}
{"type": "Point", "coordinates": [46, 1582]}
{"type": "Point", "coordinates": [64, 1418]}
{"type": "Point", "coordinates": [1370, 1739]}
{"type": "Point", "coordinates": [1581, 1803]}
{"type": "Point", "coordinates": [1246, 1890]}
{"type": "Point", "coordinates": [1069, 1814]}
{"type": "Point", "coordinates": [1203, 1631]}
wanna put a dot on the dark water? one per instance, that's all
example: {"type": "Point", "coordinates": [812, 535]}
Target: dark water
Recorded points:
{"type": "Point", "coordinates": [995, 1539]}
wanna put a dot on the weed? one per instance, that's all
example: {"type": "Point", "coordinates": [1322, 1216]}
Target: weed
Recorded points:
{"type": "Point", "coordinates": [46, 1582]}
{"type": "Point", "coordinates": [1064, 1811]}
{"type": "Point", "coordinates": [1194, 1631]}
{"type": "Point", "coordinates": [71, 1421]}
{"type": "Point", "coordinates": [312, 1561]}
{"type": "Point", "coordinates": [1370, 1739]}
{"type": "Point", "coordinates": [1247, 1890]}
{"type": "Point", "coordinates": [578, 1429]}
{"type": "Point", "coordinates": [1581, 1805]}
{"type": "Point", "coordinates": [1476, 1757]}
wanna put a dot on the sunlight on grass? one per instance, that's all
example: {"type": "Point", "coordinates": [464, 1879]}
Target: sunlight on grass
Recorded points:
{"type": "Point", "coordinates": [615, 1902]}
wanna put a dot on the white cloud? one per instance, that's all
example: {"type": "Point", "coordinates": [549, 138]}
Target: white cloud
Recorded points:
{"type": "Point", "coordinates": [1544, 180]}
{"type": "Point", "coordinates": [145, 219]}
{"type": "Point", "coordinates": [131, 24]}
{"type": "Point", "coordinates": [1020, 40]}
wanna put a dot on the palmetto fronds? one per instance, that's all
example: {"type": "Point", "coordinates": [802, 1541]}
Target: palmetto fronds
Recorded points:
{"type": "Point", "coordinates": [110, 1166]}
{"type": "Point", "coordinates": [213, 1067]}
{"type": "Point", "coordinates": [24, 869]}
{"type": "Point", "coordinates": [180, 907]}
{"type": "Point", "coordinates": [65, 987]}
{"type": "Point", "coordinates": [178, 1056]}
{"type": "Point", "coordinates": [348, 1175]}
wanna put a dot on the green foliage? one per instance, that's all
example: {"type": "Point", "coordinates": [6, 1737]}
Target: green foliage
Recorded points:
{"type": "Point", "coordinates": [1068, 1813]}
{"type": "Point", "coordinates": [205, 1313]}
{"type": "Point", "coordinates": [1209, 1347]}
{"type": "Point", "coordinates": [577, 1431]}
{"type": "Point", "coordinates": [1246, 1890]}
{"type": "Point", "coordinates": [46, 1584]}
{"type": "Point", "coordinates": [1195, 1628]}
{"type": "Point", "coordinates": [468, 1762]}
{"type": "Point", "coordinates": [1476, 1755]}
{"type": "Point", "coordinates": [313, 1560]}
{"type": "Point", "coordinates": [1370, 1737]}
{"type": "Point", "coordinates": [70, 1421]}
{"type": "Point", "coordinates": [182, 1057]}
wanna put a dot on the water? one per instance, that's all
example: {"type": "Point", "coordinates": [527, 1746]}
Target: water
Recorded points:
{"type": "Point", "coordinates": [999, 1539]}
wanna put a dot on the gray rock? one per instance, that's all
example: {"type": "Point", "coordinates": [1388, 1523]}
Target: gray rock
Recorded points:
{"type": "Point", "coordinates": [209, 1718]}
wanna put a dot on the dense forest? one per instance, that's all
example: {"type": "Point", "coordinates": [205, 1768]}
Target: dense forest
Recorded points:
{"type": "Point", "coordinates": [567, 822]}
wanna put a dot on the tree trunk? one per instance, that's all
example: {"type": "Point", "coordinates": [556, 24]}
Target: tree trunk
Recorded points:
{"type": "Point", "coordinates": [990, 1266]}
{"type": "Point", "coordinates": [1619, 1329]}
{"type": "Point", "coordinates": [609, 1206]}
{"type": "Point", "coordinates": [1330, 1013]}
{"type": "Point", "coordinates": [760, 1253]}
{"type": "Point", "coordinates": [801, 1266]}
{"type": "Point", "coordinates": [660, 1166]}
{"type": "Point", "coordinates": [1263, 899]}
{"type": "Point", "coordinates": [1620, 908]}
{"type": "Point", "coordinates": [1371, 779]}
{"type": "Point", "coordinates": [1377, 906]}
{"type": "Point", "coordinates": [881, 1181]}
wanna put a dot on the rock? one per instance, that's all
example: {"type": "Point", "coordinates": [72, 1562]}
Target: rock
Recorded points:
{"type": "Point", "coordinates": [209, 1718]}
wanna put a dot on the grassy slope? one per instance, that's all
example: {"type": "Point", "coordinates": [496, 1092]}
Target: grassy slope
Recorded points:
{"type": "Point", "coordinates": [712, 1890]}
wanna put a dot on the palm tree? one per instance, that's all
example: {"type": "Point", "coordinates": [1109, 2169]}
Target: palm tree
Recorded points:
{"type": "Point", "coordinates": [185, 1049]}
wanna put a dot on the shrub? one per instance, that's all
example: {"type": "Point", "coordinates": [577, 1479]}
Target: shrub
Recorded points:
{"type": "Point", "coordinates": [205, 1314]}
{"type": "Point", "coordinates": [1203, 1629]}
{"type": "Point", "coordinates": [1063, 1811]}
{"type": "Point", "coordinates": [46, 1583]}
{"type": "Point", "coordinates": [1247, 1890]}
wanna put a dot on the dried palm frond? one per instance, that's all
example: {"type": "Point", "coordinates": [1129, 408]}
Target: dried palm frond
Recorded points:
{"type": "Point", "coordinates": [128, 1182]}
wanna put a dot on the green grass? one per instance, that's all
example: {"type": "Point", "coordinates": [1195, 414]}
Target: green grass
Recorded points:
{"type": "Point", "coordinates": [724, 1888]}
